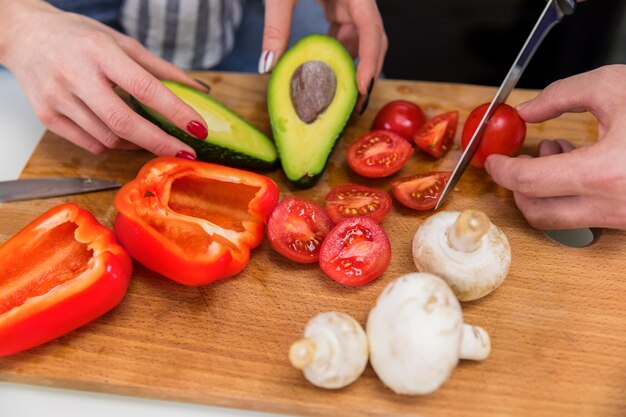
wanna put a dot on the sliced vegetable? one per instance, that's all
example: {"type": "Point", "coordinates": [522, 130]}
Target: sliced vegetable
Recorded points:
{"type": "Point", "coordinates": [421, 191]}
{"type": "Point", "coordinates": [60, 272]}
{"type": "Point", "coordinates": [378, 154]}
{"type": "Point", "coordinates": [437, 135]}
{"type": "Point", "coordinates": [355, 252]}
{"type": "Point", "coordinates": [191, 221]}
{"type": "Point", "coordinates": [231, 141]}
{"type": "Point", "coordinates": [297, 228]}
{"type": "Point", "coordinates": [504, 134]}
{"type": "Point", "coordinates": [352, 200]}
{"type": "Point", "coordinates": [401, 117]}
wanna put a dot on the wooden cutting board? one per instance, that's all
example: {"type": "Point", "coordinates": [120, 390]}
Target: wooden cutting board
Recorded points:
{"type": "Point", "coordinates": [557, 324]}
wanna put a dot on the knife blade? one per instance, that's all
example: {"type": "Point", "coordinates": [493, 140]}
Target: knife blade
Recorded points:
{"type": "Point", "coordinates": [27, 189]}
{"type": "Point", "coordinates": [551, 15]}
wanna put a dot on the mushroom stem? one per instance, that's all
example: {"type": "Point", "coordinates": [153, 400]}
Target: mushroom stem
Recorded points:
{"type": "Point", "coordinates": [302, 353]}
{"type": "Point", "coordinates": [475, 343]}
{"type": "Point", "coordinates": [466, 233]}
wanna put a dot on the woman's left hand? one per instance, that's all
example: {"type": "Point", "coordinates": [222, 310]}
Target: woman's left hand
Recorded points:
{"type": "Point", "coordinates": [356, 23]}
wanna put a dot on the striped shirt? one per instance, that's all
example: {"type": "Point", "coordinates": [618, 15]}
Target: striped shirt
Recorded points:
{"type": "Point", "coordinates": [193, 34]}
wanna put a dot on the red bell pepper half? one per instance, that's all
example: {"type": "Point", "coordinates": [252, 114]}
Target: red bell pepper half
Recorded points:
{"type": "Point", "coordinates": [60, 272]}
{"type": "Point", "coordinates": [191, 221]}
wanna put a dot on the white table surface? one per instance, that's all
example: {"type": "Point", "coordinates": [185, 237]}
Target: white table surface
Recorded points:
{"type": "Point", "coordinates": [20, 131]}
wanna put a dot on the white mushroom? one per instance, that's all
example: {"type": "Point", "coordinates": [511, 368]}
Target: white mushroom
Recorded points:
{"type": "Point", "coordinates": [333, 352]}
{"type": "Point", "coordinates": [417, 336]}
{"type": "Point", "coordinates": [465, 249]}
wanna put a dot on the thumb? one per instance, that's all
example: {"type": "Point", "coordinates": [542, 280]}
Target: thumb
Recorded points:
{"type": "Point", "coordinates": [276, 29]}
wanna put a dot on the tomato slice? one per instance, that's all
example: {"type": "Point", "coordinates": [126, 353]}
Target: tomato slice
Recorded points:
{"type": "Point", "coordinates": [436, 136]}
{"type": "Point", "coordinates": [378, 154]}
{"type": "Point", "coordinates": [352, 200]}
{"type": "Point", "coordinates": [421, 191]}
{"type": "Point", "coordinates": [355, 252]}
{"type": "Point", "coordinates": [297, 228]}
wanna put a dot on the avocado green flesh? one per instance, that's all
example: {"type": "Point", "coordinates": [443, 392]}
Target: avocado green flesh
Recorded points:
{"type": "Point", "coordinates": [304, 148]}
{"type": "Point", "coordinates": [231, 140]}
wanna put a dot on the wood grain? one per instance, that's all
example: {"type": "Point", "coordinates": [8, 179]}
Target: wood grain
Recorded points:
{"type": "Point", "coordinates": [557, 323]}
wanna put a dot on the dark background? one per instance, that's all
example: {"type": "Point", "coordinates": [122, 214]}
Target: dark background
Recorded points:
{"type": "Point", "coordinates": [476, 41]}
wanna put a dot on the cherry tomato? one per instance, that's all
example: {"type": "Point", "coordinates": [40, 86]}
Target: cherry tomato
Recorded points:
{"type": "Point", "coordinates": [421, 191]}
{"type": "Point", "coordinates": [297, 228]}
{"type": "Point", "coordinates": [504, 134]}
{"type": "Point", "coordinates": [400, 116]}
{"type": "Point", "coordinates": [378, 154]}
{"type": "Point", "coordinates": [355, 252]}
{"type": "Point", "coordinates": [351, 200]}
{"type": "Point", "coordinates": [436, 136]}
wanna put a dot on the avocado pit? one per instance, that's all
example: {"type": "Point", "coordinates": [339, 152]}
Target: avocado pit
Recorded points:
{"type": "Point", "coordinates": [313, 87]}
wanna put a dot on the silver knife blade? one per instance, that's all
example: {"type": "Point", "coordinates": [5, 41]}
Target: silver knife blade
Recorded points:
{"type": "Point", "coordinates": [551, 15]}
{"type": "Point", "coordinates": [27, 189]}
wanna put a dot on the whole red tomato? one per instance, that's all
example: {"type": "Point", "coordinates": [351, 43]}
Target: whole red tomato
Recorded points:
{"type": "Point", "coordinates": [400, 116]}
{"type": "Point", "coordinates": [504, 134]}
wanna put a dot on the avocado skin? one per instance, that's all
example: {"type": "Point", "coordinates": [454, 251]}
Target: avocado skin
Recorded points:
{"type": "Point", "coordinates": [341, 116]}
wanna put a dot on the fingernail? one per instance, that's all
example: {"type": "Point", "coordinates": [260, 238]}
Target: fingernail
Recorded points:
{"type": "Point", "coordinates": [197, 129]}
{"type": "Point", "coordinates": [521, 105]}
{"type": "Point", "coordinates": [366, 100]}
{"type": "Point", "coordinates": [185, 155]}
{"type": "Point", "coordinates": [266, 61]}
{"type": "Point", "coordinates": [205, 85]}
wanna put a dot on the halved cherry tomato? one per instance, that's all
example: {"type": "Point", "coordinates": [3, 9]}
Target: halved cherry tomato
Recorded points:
{"type": "Point", "coordinates": [355, 252]}
{"type": "Point", "coordinates": [421, 191]}
{"type": "Point", "coordinates": [378, 154]}
{"type": "Point", "coordinates": [297, 228]}
{"type": "Point", "coordinates": [436, 136]}
{"type": "Point", "coordinates": [351, 200]}
{"type": "Point", "coordinates": [399, 116]}
{"type": "Point", "coordinates": [504, 134]}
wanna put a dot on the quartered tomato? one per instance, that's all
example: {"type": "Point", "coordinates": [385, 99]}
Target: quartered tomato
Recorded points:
{"type": "Point", "coordinates": [378, 154]}
{"type": "Point", "coordinates": [504, 134]}
{"type": "Point", "coordinates": [421, 191]}
{"type": "Point", "coordinates": [355, 252]}
{"type": "Point", "coordinates": [399, 116]}
{"type": "Point", "coordinates": [297, 228]}
{"type": "Point", "coordinates": [351, 200]}
{"type": "Point", "coordinates": [436, 136]}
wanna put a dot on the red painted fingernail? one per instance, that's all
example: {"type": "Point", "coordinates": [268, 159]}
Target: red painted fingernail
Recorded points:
{"type": "Point", "coordinates": [185, 155]}
{"type": "Point", "coordinates": [197, 129]}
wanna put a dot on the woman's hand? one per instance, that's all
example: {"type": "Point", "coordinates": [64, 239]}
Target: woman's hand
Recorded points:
{"type": "Point", "coordinates": [356, 23]}
{"type": "Point", "coordinates": [69, 64]}
{"type": "Point", "coordinates": [566, 188]}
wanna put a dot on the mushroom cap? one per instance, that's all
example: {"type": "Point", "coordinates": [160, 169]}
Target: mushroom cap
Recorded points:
{"type": "Point", "coordinates": [471, 275]}
{"type": "Point", "coordinates": [414, 333]}
{"type": "Point", "coordinates": [341, 350]}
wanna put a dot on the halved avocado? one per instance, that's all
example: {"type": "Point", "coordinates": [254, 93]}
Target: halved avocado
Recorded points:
{"type": "Point", "coordinates": [311, 95]}
{"type": "Point", "coordinates": [232, 141]}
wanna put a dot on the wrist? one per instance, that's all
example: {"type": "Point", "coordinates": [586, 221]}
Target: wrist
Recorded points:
{"type": "Point", "coordinates": [14, 16]}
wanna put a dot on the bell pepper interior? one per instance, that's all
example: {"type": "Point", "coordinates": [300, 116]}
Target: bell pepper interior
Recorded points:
{"type": "Point", "coordinates": [222, 203]}
{"type": "Point", "coordinates": [41, 265]}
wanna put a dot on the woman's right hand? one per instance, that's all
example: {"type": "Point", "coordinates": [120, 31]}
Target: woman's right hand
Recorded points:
{"type": "Point", "coordinates": [68, 66]}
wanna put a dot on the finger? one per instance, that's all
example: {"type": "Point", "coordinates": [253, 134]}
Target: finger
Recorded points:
{"type": "Point", "coordinates": [583, 92]}
{"type": "Point", "coordinates": [276, 29]}
{"type": "Point", "coordinates": [372, 46]}
{"type": "Point", "coordinates": [78, 112]}
{"type": "Point", "coordinates": [144, 87]}
{"type": "Point", "coordinates": [69, 130]}
{"type": "Point", "coordinates": [560, 213]}
{"type": "Point", "coordinates": [347, 34]}
{"type": "Point", "coordinates": [565, 145]}
{"type": "Point", "coordinates": [158, 67]}
{"type": "Point", "coordinates": [563, 174]}
{"type": "Point", "coordinates": [127, 124]}
{"type": "Point", "coordinates": [549, 147]}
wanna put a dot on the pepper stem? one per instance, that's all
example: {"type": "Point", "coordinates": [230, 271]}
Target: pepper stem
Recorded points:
{"type": "Point", "coordinates": [302, 353]}
{"type": "Point", "coordinates": [466, 233]}
{"type": "Point", "coordinates": [475, 343]}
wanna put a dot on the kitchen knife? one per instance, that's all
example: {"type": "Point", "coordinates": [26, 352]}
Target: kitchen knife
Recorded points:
{"type": "Point", "coordinates": [27, 189]}
{"type": "Point", "coordinates": [551, 15]}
